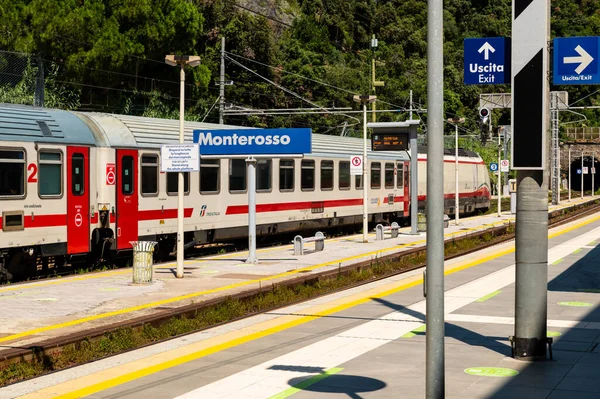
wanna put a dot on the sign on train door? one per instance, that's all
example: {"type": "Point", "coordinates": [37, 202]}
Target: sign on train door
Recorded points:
{"type": "Point", "coordinates": [78, 200]}
{"type": "Point", "coordinates": [127, 198]}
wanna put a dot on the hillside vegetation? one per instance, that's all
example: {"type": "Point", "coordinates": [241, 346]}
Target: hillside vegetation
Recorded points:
{"type": "Point", "coordinates": [107, 55]}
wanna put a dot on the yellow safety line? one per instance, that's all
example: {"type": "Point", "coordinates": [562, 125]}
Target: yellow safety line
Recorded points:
{"type": "Point", "coordinates": [119, 375]}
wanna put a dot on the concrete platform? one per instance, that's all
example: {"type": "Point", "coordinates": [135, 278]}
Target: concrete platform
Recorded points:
{"type": "Point", "coordinates": [33, 312]}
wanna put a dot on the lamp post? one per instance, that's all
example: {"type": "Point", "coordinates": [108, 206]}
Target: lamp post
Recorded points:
{"type": "Point", "coordinates": [455, 122]}
{"type": "Point", "coordinates": [364, 100]}
{"type": "Point", "coordinates": [182, 61]}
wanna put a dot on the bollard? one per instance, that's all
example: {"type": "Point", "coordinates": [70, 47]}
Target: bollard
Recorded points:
{"type": "Point", "coordinates": [142, 261]}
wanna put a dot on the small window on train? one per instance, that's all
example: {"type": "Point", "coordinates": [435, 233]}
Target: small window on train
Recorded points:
{"type": "Point", "coordinates": [358, 182]}
{"type": "Point", "coordinates": [375, 175]}
{"type": "Point", "coordinates": [237, 175]}
{"type": "Point", "coordinates": [263, 175]}
{"type": "Point", "coordinates": [286, 175]}
{"type": "Point", "coordinates": [389, 175]}
{"type": "Point", "coordinates": [173, 183]}
{"type": "Point", "coordinates": [78, 174]}
{"type": "Point", "coordinates": [12, 173]}
{"type": "Point", "coordinates": [400, 175]}
{"type": "Point", "coordinates": [326, 175]}
{"type": "Point", "coordinates": [127, 175]}
{"type": "Point", "coordinates": [307, 175]}
{"type": "Point", "coordinates": [149, 175]}
{"type": "Point", "coordinates": [344, 175]}
{"type": "Point", "coordinates": [50, 174]}
{"type": "Point", "coordinates": [210, 176]}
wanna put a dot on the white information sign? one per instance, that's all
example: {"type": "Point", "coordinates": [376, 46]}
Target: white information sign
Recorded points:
{"type": "Point", "coordinates": [585, 170]}
{"type": "Point", "coordinates": [356, 165]}
{"type": "Point", "coordinates": [504, 166]}
{"type": "Point", "coordinates": [180, 158]}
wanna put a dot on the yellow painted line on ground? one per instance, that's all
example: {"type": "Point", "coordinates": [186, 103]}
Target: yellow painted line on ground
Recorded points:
{"type": "Point", "coordinates": [122, 374]}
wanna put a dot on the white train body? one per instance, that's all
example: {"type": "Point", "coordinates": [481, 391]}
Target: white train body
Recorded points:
{"type": "Point", "coordinates": [81, 184]}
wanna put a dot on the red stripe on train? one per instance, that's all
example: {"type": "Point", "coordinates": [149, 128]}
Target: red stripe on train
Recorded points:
{"type": "Point", "coordinates": [157, 214]}
{"type": "Point", "coordinates": [292, 206]}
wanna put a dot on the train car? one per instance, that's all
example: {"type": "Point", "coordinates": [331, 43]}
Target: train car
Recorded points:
{"type": "Point", "coordinates": [85, 185]}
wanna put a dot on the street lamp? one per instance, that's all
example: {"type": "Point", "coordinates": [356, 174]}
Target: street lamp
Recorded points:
{"type": "Point", "coordinates": [364, 100]}
{"type": "Point", "coordinates": [182, 61]}
{"type": "Point", "coordinates": [455, 122]}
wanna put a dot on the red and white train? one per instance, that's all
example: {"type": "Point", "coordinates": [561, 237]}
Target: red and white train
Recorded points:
{"type": "Point", "coordinates": [77, 184]}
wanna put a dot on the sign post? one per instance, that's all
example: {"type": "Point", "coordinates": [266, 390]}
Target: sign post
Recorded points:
{"type": "Point", "coordinates": [253, 144]}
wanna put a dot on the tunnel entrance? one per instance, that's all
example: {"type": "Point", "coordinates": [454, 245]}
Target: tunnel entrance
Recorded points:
{"type": "Point", "coordinates": [587, 178]}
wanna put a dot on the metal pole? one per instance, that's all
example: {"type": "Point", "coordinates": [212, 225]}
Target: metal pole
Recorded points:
{"type": "Point", "coordinates": [581, 174]}
{"type": "Point", "coordinates": [569, 173]}
{"type": "Point", "coordinates": [222, 83]}
{"type": "Point", "coordinates": [414, 180]}
{"type": "Point", "coordinates": [251, 163]}
{"type": "Point", "coordinates": [499, 173]}
{"type": "Point", "coordinates": [505, 156]}
{"type": "Point", "coordinates": [593, 170]}
{"type": "Point", "coordinates": [530, 107]}
{"type": "Point", "coordinates": [365, 164]}
{"type": "Point", "coordinates": [180, 182]}
{"type": "Point", "coordinates": [435, 373]}
{"type": "Point", "coordinates": [411, 107]}
{"type": "Point", "coordinates": [456, 199]}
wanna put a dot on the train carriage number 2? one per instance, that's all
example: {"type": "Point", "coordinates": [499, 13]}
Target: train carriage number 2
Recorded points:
{"type": "Point", "coordinates": [32, 169]}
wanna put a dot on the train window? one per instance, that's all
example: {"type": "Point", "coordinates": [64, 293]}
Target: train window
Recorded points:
{"type": "Point", "coordinates": [12, 173]}
{"type": "Point", "coordinates": [210, 175]}
{"type": "Point", "coordinates": [237, 175]}
{"type": "Point", "coordinates": [389, 175]}
{"type": "Point", "coordinates": [344, 175]}
{"type": "Point", "coordinates": [77, 174]}
{"type": "Point", "coordinates": [149, 175]}
{"type": "Point", "coordinates": [307, 175]}
{"type": "Point", "coordinates": [50, 174]}
{"type": "Point", "coordinates": [263, 175]}
{"type": "Point", "coordinates": [173, 183]}
{"type": "Point", "coordinates": [286, 175]}
{"type": "Point", "coordinates": [127, 175]}
{"type": "Point", "coordinates": [358, 182]}
{"type": "Point", "coordinates": [400, 175]}
{"type": "Point", "coordinates": [375, 175]}
{"type": "Point", "coordinates": [326, 175]}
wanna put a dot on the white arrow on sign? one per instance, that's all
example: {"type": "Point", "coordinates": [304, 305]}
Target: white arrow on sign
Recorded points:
{"type": "Point", "coordinates": [486, 49]}
{"type": "Point", "coordinates": [583, 60]}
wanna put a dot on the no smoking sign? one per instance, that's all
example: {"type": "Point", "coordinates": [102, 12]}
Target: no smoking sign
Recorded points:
{"type": "Point", "coordinates": [356, 165]}
{"type": "Point", "coordinates": [111, 176]}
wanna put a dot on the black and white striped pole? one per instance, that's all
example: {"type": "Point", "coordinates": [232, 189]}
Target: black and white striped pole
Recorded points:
{"type": "Point", "coordinates": [530, 36]}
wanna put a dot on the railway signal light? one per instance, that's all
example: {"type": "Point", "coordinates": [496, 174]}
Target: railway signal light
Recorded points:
{"type": "Point", "coordinates": [484, 114]}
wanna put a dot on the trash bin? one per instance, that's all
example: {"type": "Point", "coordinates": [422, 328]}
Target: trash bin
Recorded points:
{"type": "Point", "coordinates": [142, 261]}
{"type": "Point", "coordinates": [446, 221]}
{"type": "Point", "coordinates": [421, 222]}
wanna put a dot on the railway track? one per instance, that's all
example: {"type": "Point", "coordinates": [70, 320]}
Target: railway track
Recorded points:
{"type": "Point", "coordinates": [493, 237]}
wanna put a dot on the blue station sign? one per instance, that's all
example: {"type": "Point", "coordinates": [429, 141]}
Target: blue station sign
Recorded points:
{"type": "Point", "coordinates": [487, 61]}
{"type": "Point", "coordinates": [254, 141]}
{"type": "Point", "coordinates": [576, 61]}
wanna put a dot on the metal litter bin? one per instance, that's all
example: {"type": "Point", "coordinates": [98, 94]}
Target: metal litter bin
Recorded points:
{"type": "Point", "coordinates": [142, 261]}
{"type": "Point", "coordinates": [421, 222]}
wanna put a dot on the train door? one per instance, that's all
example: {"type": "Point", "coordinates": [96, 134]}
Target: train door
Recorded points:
{"type": "Point", "coordinates": [78, 200]}
{"type": "Point", "coordinates": [406, 188]}
{"type": "Point", "coordinates": [127, 198]}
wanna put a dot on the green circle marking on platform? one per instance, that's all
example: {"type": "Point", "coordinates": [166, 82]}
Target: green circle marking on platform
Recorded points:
{"type": "Point", "coordinates": [491, 371]}
{"type": "Point", "coordinates": [576, 304]}
{"type": "Point", "coordinates": [553, 334]}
